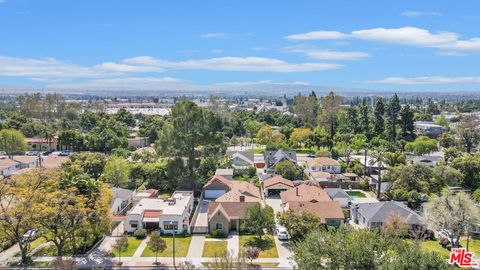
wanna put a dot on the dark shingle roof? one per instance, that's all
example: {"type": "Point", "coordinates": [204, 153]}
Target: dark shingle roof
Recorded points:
{"type": "Point", "coordinates": [272, 157]}
{"type": "Point", "coordinates": [336, 193]}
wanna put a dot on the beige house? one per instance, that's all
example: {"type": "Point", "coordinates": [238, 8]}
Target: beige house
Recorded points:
{"type": "Point", "coordinates": [323, 164]}
{"type": "Point", "coordinates": [229, 201]}
{"type": "Point", "coordinates": [227, 216]}
{"type": "Point", "coordinates": [276, 184]}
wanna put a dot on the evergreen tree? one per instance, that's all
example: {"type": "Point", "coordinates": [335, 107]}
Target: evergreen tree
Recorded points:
{"type": "Point", "coordinates": [352, 120]}
{"type": "Point", "coordinates": [406, 123]}
{"type": "Point", "coordinates": [392, 111]}
{"type": "Point", "coordinates": [379, 120]}
{"type": "Point", "coordinates": [363, 118]}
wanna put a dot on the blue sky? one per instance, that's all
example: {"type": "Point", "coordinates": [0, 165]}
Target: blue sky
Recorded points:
{"type": "Point", "coordinates": [385, 45]}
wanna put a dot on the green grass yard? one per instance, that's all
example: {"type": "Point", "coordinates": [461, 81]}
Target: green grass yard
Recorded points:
{"type": "Point", "coordinates": [357, 194]}
{"type": "Point", "coordinates": [214, 249]}
{"type": "Point", "coordinates": [133, 244]}
{"type": "Point", "coordinates": [181, 247]}
{"type": "Point", "coordinates": [267, 246]}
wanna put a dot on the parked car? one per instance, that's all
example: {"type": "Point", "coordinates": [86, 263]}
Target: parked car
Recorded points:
{"type": "Point", "coordinates": [32, 153]}
{"type": "Point", "coordinates": [282, 233]}
{"type": "Point", "coordinates": [47, 153]}
{"type": "Point", "coordinates": [30, 235]}
{"type": "Point", "coordinates": [3, 153]}
{"type": "Point", "coordinates": [66, 153]}
{"type": "Point", "coordinates": [311, 155]}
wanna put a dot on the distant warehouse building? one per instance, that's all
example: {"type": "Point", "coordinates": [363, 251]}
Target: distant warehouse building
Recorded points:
{"type": "Point", "coordinates": [429, 129]}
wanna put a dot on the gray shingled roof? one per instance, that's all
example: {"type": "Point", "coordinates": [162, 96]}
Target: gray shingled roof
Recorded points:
{"type": "Point", "coordinates": [381, 211]}
{"type": "Point", "coordinates": [336, 193]}
{"type": "Point", "coordinates": [272, 157]}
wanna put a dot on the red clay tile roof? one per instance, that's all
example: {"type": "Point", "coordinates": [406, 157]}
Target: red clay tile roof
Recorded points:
{"type": "Point", "coordinates": [305, 193]}
{"type": "Point", "coordinates": [277, 180]}
{"type": "Point", "coordinates": [152, 214]}
{"type": "Point", "coordinates": [323, 210]}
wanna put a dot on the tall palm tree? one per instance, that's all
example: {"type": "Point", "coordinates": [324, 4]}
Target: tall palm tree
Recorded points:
{"type": "Point", "coordinates": [378, 156]}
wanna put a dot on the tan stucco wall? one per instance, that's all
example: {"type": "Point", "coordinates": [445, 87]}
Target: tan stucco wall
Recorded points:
{"type": "Point", "coordinates": [219, 218]}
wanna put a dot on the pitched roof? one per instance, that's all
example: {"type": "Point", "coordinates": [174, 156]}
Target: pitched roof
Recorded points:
{"type": "Point", "coordinates": [6, 163]}
{"type": "Point", "coordinates": [240, 188]}
{"type": "Point", "coordinates": [121, 193]}
{"type": "Point", "coordinates": [232, 210]}
{"type": "Point", "coordinates": [248, 155]}
{"type": "Point", "coordinates": [54, 161]}
{"type": "Point", "coordinates": [25, 159]}
{"type": "Point", "coordinates": [277, 180]}
{"type": "Point", "coordinates": [304, 193]}
{"type": "Point", "coordinates": [220, 179]}
{"type": "Point", "coordinates": [323, 161]}
{"type": "Point", "coordinates": [336, 193]}
{"type": "Point", "coordinates": [323, 210]}
{"type": "Point", "coordinates": [381, 211]}
{"type": "Point", "coordinates": [272, 157]}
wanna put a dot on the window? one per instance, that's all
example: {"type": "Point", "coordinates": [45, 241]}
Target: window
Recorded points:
{"type": "Point", "coordinates": [133, 224]}
{"type": "Point", "coordinates": [333, 222]}
{"type": "Point", "coordinates": [219, 226]}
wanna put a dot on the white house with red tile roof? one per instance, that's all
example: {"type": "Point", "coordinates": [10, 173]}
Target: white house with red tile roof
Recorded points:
{"type": "Point", "coordinates": [165, 215]}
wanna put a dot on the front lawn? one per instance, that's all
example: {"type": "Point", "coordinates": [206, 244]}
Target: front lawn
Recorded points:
{"type": "Point", "coordinates": [133, 244]}
{"type": "Point", "coordinates": [181, 247]}
{"type": "Point", "coordinates": [357, 194]}
{"type": "Point", "coordinates": [267, 246]}
{"type": "Point", "coordinates": [214, 249]}
{"type": "Point", "coordinates": [433, 245]}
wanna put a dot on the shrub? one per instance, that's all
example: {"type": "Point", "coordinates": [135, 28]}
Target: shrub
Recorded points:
{"type": "Point", "coordinates": [140, 234]}
{"type": "Point", "coordinates": [217, 234]}
{"type": "Point", "coordinates": [252, 253]}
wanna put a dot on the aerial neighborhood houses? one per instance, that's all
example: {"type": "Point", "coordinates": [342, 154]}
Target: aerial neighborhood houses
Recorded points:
{"type": "Point", "coordinates": [272, 158]}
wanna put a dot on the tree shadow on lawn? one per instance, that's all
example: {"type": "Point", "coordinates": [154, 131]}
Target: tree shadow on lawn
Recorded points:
{"type": "Point", "coordinates": [265, 243]}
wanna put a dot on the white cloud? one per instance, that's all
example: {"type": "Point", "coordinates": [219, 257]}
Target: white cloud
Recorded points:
{"type": "Point", "coordinates": [172, 84]}
{"type": "Point", "coordinates": [51, 69]}
{"type": "Point", "coordinates": [406, 36]}
{"type": "Point", "coordinates": [336, 55]}
{"type": "Point", "coordinates": [317, 35]}
{"type": "Point", "coordinates": [214, 35]}
{"type": "Point", "coordinates": [249, 64]}
{"type": "Point", "coordinates": [416, 13]}
{"type": "Point", "coordinates": [427, 80]}
{"type": "Point", "coordinates": [448, 43]}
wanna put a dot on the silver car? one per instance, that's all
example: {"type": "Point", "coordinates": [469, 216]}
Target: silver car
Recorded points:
{"type": "Point", "coordinates": [282, 233]}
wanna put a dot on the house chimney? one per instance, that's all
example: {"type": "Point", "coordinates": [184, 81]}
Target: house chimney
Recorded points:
{"type": "Point", "coordinates": [242, 198]}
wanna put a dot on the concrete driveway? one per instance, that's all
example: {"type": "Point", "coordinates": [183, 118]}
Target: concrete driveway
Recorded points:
{"type": "Point", "coordinates": [283, 247]}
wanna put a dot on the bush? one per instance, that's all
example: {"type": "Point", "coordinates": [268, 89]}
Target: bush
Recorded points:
{"type": "Point", "coordinates": [140, 234]}
{"type": "Point", "coordinates": [217, 234]}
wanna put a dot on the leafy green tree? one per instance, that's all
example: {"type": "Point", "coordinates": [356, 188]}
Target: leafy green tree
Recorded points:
{"type": "Point", "coordinates": [125, 117]}
{"type": "Point", "coordinates": [297, 224]}
{"type": "Point", "coordinates": [116, 172]}
{"type": "Point", "coordinates": [348, 248]}
{"type": "Point", "coordinates": [395, 158]}
{"type": "Point", "coordinates": [191, 133]}
{"type": "Point", "coordinates": [442, 121]}
{"type": "Point", "coordinates": [306, 107]}
{"type": "Point", "coordinates": [422, 145]}
{"type": "Point", "coordinates": [469, 166]}
{"type": "Point", "coordinates": [258, 219]}
{"type": "Point", "coordinates": [12, 142]}
{"type": "Point", "coordinates": [86, 162]}
{"type": "Point", "coordinates": [121, 244]}
{"type": "Point", "coordinates": [328, 115]}
{"type": "Point", "coordinates": [156, 244]}
{"type": "Point", "coordinates": [287, 170]}
{"type": "Point", "coordinates": [300, 136]}
{"type": "Point", "coordinates": [392, 111]}
{"type": "Point", "coordinates": [252, 127]}
{"type": "Point", "coordinates": [379, 120]}
{"type": "Point", "coordinates": [71, 139]}
{"type": "Point", "coordinates": [469, 132]}
{"type": "Point", "coordinates": [318, 138]}
{"type": "Point", "coordinates": [452, 213]}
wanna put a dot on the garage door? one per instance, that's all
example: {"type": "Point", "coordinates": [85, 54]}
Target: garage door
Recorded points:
{"type": "Point", "coordinates": [213, 194]}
